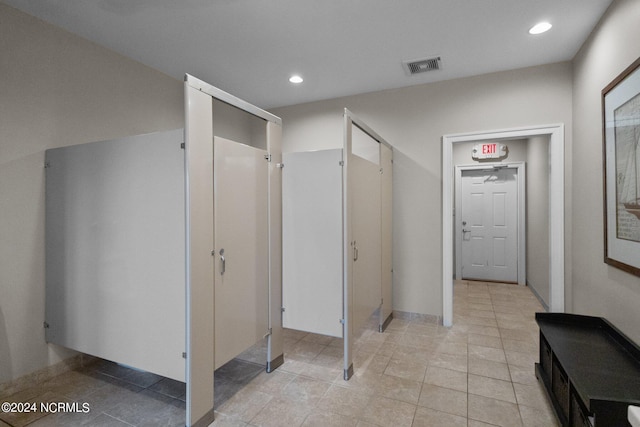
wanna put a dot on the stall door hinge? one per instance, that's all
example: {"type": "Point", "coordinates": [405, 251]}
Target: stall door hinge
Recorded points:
{"type": "Point", "coordinates": [381, 171]}
{"type": "Point", "coordinates": [280, 165]}
{"type": "Point", "coordinates": [269, 332]}
{"type": "Point", "coordinates": [342, 322]}
{"type": "Point", "coordinates": [282, 309]}
{"type": "Point", "coordinates": [184, 354]}
{"type": "Point", "coordinates": [267, 157]}
{"type": "Point", "coordinates": [182, 145]}
{"type": "Point", "coordinates": [46, 325]}
{"type": "Point", "coordinates": [47, 165]}
{"type": "Point", "coordinates": [341, 162]}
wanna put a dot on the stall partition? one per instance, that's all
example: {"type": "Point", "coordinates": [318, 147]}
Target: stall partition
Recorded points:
{"type": "Point", "coordinates": [115, 245]}
{"type": "Point", "coordinates": [337, 236]}
{"type": "Point", "coordinates": [163, 251]}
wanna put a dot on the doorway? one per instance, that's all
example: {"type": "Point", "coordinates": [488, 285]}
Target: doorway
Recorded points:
{"type": "Point", "coordinates": [490, 222]}
{"type": "Point", "coordinates": [555, 133]}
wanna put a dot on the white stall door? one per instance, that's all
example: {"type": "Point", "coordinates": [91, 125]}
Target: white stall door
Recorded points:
{"type": "Point", "coordinates": [364, 180]}
{"type": "Point", "coordinates": [489, 222]}
{"type": "Point", "coordinates": [241, 247]}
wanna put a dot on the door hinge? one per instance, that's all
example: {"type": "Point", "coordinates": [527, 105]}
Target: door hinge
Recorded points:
{"type": "Point", "coordinates": [282, 309]}
{"type": "Point", "coordinates": [342, 321]}
{"type": "Point", "coordinates": [280, 165]}
{"type": "Point", "coordinates": [269, 332]}
{"type": "Point", "coordinates": [47, 165]}
{"type": "Point", "coordinates": [381, 171]}
{"type": "Point", "coordinates": [267, 157]}
{"type": "Point", "coordinates": [182, 145]}
{"type": "Point", "coordinates": [341, 162]}
{"type": "Point", "coordinates": [184, 354]}
{"type": "Point", "coordinates": [45, 325]}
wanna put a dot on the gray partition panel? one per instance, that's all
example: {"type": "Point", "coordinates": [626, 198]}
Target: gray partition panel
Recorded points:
{"type": "Point", "coordinates": [200, 262]}
{"type": "Point", "coordinates": [115, 250]}
{"type": "Point", "coordinates": [312, 241]}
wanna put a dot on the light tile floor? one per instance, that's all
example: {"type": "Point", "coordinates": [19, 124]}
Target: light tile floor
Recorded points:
{"type": "Point", "coordinates": [480, 372]}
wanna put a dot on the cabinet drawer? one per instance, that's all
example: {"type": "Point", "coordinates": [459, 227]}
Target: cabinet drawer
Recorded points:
{"type": "Point", "coordinates": [545, 357]}
{"type": "Point", "coordinates": [579, 415]}
{"type": "Point", "coordinates": [560, 386]}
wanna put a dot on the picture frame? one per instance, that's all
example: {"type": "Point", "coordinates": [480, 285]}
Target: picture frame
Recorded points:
{"type": "Point", "coordinates": [621, 170]}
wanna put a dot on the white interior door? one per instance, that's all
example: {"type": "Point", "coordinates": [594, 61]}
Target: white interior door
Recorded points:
{"type": "Point", "coordinates": [241, 247]}
{"type": "Point", "coordinates": [489, 223]}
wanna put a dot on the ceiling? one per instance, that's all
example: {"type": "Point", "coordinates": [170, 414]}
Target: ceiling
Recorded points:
{"type": "Point", "coordinates": [340, 47]}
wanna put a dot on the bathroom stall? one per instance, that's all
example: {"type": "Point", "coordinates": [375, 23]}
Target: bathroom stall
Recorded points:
{"type": "Point", "coordinates": [337, 236]}
{"type": "Point", "coordinates": [234, 228]}
{"type": "Point", "coordinates": [163, 251]}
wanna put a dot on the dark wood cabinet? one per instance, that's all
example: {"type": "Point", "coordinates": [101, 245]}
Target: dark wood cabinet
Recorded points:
{"type": "Point", "coordinates": [590, 370]}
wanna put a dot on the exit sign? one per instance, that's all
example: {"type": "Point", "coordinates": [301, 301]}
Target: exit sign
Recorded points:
{"type": "Point", "coordinates": [490, 150]}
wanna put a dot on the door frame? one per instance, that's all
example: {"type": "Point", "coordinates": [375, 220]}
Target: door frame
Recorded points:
{"type": "Point", "coordinates": [520, 168]}
{"type": "Point", "coordinates": [556, 208]}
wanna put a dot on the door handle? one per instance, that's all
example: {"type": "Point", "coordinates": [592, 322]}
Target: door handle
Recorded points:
{"type": "Point", "coordinates": [464, 230]}
{"type": "Point", "coordinates": [466, 237]}
{"type": "Point", "coordinates": [223, 262]}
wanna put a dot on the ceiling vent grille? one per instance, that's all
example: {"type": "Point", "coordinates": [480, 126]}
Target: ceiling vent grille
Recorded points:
{"type": "Point", "coordinates": [418, 66]}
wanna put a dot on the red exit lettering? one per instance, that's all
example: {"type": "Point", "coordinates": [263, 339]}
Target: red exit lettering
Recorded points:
{"type": "Point", "coordinates": [488, 148]}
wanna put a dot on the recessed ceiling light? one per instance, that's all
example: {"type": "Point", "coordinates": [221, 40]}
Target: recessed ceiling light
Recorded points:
{"type": "Point", "coordinates": [296, 79]}
{"type": "Point", "coordinates": [540, 28]}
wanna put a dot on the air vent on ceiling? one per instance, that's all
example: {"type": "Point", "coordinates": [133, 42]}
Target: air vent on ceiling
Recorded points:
{"type": "Point", "coordinates": [418, 66]}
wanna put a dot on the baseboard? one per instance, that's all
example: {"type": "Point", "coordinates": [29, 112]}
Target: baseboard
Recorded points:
{"type": "Point", "coordinates": [535, 293]}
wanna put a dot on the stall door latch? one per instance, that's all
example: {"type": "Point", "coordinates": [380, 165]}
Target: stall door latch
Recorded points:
{"type": "Point", "coordinates": [223, 262]}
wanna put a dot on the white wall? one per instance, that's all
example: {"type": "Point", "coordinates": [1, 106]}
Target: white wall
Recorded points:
{"type": "Point", "coordinates": [413, 120]}
{"type": "Point", "coordinates": [538, 216]}
{"type": "Point", "coordinates": [599, 289]}
{"type": "Point", "coordinates": [55, 90]}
